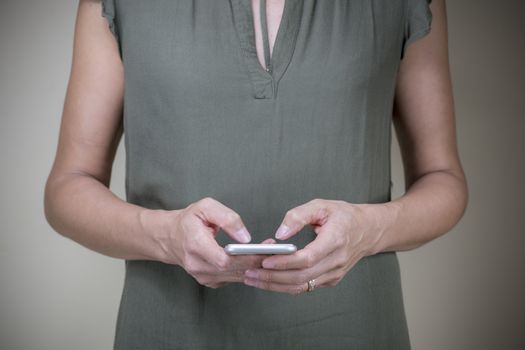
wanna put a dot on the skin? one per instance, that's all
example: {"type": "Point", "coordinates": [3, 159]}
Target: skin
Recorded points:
{"type": "Point", "coordinates": [274, 12]}
{"type": "Point", "coordinates": [80, 206]}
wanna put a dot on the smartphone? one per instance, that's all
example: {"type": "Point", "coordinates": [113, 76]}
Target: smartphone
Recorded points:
{"type": "Point", "coordinates": [267, 249]}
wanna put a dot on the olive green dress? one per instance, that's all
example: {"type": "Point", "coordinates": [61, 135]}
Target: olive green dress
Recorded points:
{"type": "Point", "coordinates": [203, 117]}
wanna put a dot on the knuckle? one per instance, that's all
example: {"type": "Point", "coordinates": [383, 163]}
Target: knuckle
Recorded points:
{"type": "Point", "coordinates": [231, 217]}
{"type": "Point", "coordinates": [188, 208]}
{"type": "Point", "coordinates": [341, 202]}
{"type": "Point", "coordinates": [309, 260]}
{"type": "Point", "coordinates": [205, 281]}
{"type": "Point", "coordinates": [266, 285]}
{"type": "Point", "coordinates": [294, 215]}
{"type": "Point", "coordinates": [193, 267]}
{"type": "Point", "coordinates": [315, 201]}
{"type": "Point", "coordinates": [185, 218]}
{"type": "Point", "coordinates": [302, 277]}
{"type": "Point", "coordinates": [191, 249]}
{"type": "Point", "coordinates": [255, 263]}
{"type": "Point", "coordinates": [190, 268]}
{"type": "Point", "coordinates": [222, 264]}
{"type": "Point", "coordinates": [188, 257]}
{"type": "Point", "coordinates": [341, 262]}
{"type": "Point", "coordinates": [221, 268]}
{"type": "Point", "coordinates": [336, 281]}
{"type": "Point", "coordinates": [206, 202]}
{"type": "Point", "coordinates": [323, 211]}
{"type": "Point", "coordinates": [266, 276]}
{"type": "Point", "coordinates": [338, 240]}
{"type": "Point", "coordinates": [193, 270]}
{"type": "Point", "coordinates": [200, 280]}
{"type": "Point", "coordinates": [296, 290]}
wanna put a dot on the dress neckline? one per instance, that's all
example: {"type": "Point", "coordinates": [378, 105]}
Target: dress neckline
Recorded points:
{"type": "Point", "coordinates": [265, 81]}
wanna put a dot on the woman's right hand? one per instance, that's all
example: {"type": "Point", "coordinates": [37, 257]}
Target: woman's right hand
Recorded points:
{"type": "Point", "coordinates": [188, 240]}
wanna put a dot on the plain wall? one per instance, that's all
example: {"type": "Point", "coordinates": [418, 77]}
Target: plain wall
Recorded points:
{"type": "Point", "coordinates": [464, 290]}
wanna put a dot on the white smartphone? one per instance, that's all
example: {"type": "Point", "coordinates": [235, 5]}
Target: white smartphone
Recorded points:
{"type": "Point", "coordinates": [267, 249]}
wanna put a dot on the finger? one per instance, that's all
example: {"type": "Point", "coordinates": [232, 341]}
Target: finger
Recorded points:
{"type": "Point", "coordinates": [236, 267]}
{"type": "Point", "coordinates": [277, 287]}
{"type": "Point", "coordinates": [212, 211]}
{"type": "Point", "coordinates": [230, 276]}
{"type": "Point", "coordinates": [322, 281]}
{"type": "Point", "coordinates": [312, 212]}
{"type": "Point", "coordinates": [225, 277]}
{"type": "Point", "coordinates": [209, 250]}
{"type": "Point", "coordinates": [210, 274]}
{"type": "Point", "coordinates": [322, 246]}
{"type": "Point", "coordinates": [295, 276]}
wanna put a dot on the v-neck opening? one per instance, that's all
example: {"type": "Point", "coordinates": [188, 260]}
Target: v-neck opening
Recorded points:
{"type": "Point", "coordinates": [264, 32]}
{"type": "Point", "coordinates": [265, 82]}
{"type": "Point", "coordinates": [265, 36]}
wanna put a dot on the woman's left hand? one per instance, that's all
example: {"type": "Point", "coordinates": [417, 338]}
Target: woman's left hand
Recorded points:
{"type": "Point", "coordinates": [346, 232]}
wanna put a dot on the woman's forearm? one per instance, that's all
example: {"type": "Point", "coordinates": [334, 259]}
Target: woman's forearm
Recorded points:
{"type": "Point", "coordinates": [431, 207]}
{"type": "Point", "coordinates": [81, 208]}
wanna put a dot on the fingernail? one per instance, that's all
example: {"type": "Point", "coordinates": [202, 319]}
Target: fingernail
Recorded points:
{"type": "Point", "coordinates": [251, 274]}
{"type": "Point", "coordinates": [268, 264]}
{"type": "Point", "coordinates": [243, 235]}
{"type": "Point", "coordinates": [250, 282]}
{"type": "Point", "coordinates": [281, 231]}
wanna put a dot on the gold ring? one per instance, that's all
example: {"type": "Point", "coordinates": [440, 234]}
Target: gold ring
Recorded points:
{"type": "Point", "coordinates": [311, 285]}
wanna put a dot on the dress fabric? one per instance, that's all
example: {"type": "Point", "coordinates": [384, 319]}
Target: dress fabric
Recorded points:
{"type": "Point", "coordinates": [203, 118]}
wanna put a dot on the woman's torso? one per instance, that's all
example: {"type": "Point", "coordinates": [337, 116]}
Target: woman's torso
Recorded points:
{"type": "Point", "coordinates": [203, 118]}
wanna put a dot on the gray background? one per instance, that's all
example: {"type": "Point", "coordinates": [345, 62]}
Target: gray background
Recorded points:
{"type": "Point", "coordinates": [464, 290]}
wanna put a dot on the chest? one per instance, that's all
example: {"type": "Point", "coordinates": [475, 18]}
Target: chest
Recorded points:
{"type": "Point", "coordinates": [321, 49]}
{"type": "Point", "coordinates": [273, 12]}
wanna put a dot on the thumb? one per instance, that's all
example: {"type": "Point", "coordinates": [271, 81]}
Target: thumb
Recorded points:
{"type": "Point", "coordinates": [312, 212]}
{"type": "Point", "coordinates": [218, 214]}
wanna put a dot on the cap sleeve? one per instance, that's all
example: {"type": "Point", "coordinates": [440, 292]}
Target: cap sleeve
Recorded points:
{"type": "Point", "coordinates": [418, 21]}
{"type": "Point", "coordinates": [108, 11]}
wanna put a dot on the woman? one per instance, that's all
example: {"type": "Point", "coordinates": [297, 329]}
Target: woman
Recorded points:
{"type": "Point", "coordinates": [258, 118]}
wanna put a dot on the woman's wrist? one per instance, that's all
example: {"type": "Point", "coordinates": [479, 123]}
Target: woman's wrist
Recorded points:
{"type": "Point", "coordinates": [381, 220]}
{"type": "Point", "coordinates": [157, 224]}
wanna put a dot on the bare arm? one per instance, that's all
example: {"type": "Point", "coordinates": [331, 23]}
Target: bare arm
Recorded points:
{"type": "Point", "coordinates": [78, 203]}
{"type": "Point", "coordinates": [436, 195]}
